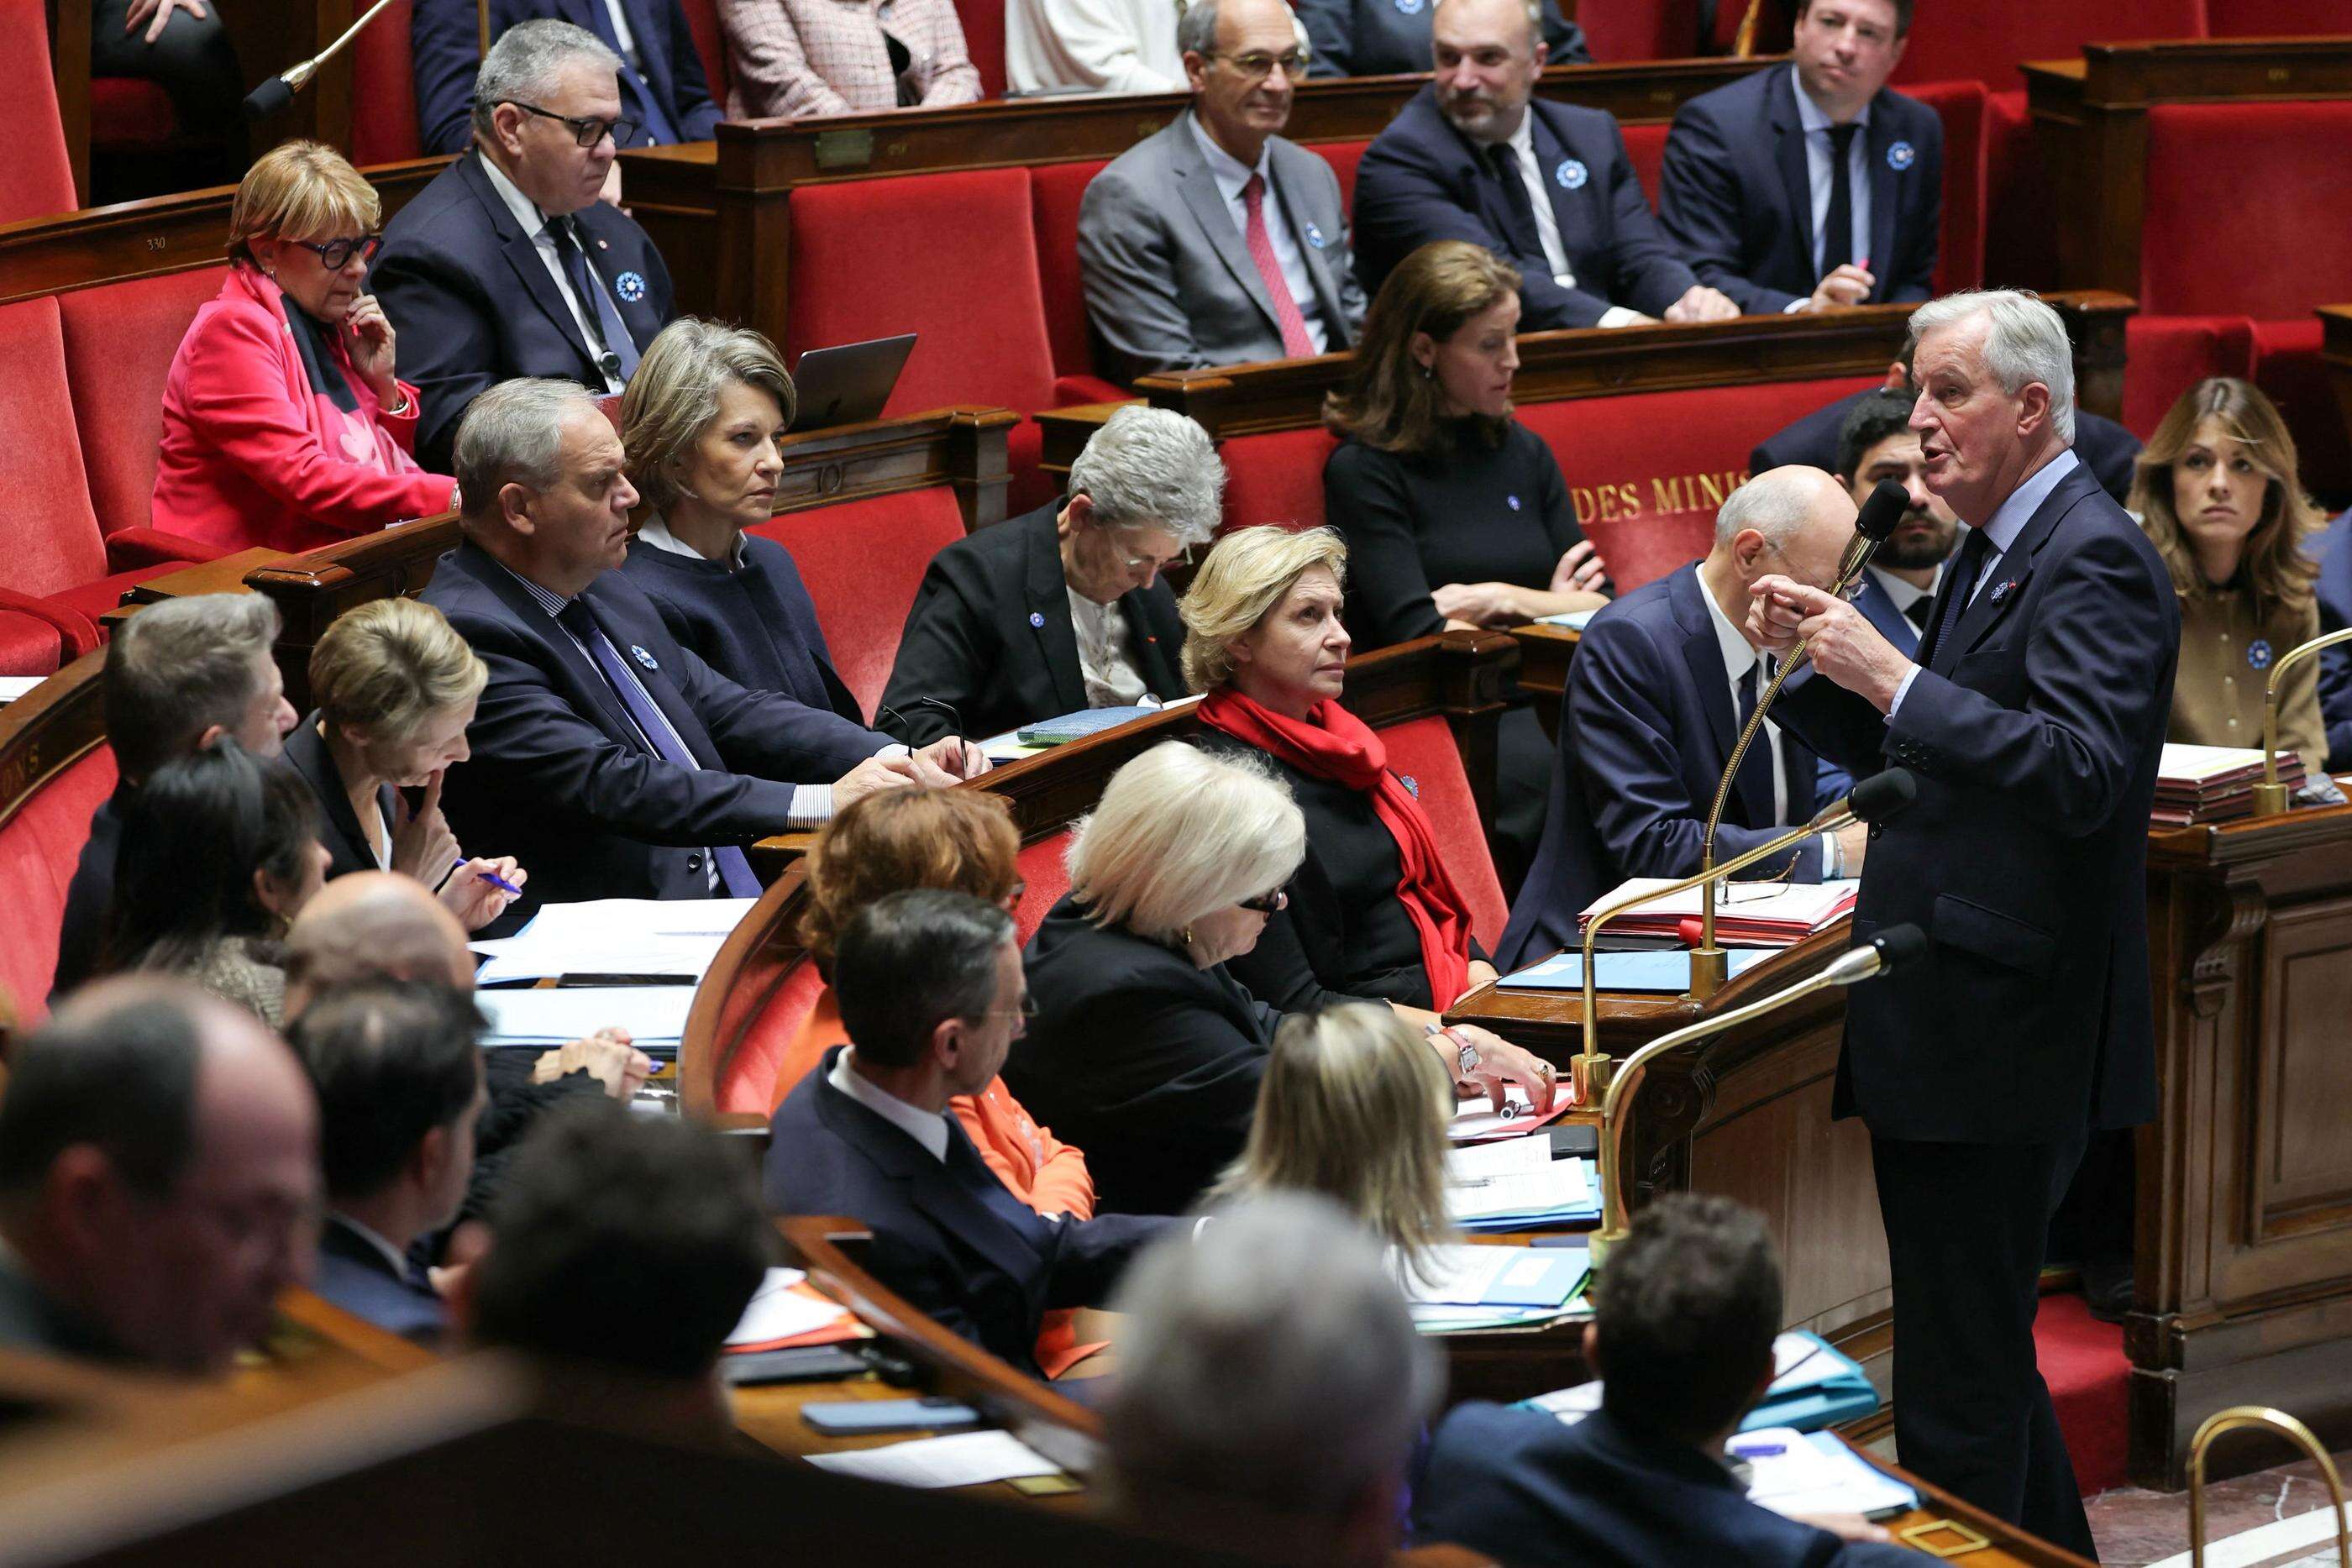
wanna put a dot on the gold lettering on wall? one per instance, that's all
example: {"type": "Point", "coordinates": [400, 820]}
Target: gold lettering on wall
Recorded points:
{"type": "Point", "coordinates": [1669, 495]}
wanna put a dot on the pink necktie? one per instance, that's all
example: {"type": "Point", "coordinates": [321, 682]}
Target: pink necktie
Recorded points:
{"type": "Point", "coordinates": [1295, 343]}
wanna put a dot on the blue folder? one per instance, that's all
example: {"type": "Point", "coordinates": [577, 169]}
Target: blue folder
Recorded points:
{"type": "Point", "coordinates": [1824, 1390]}
{"type": "Point", "coordinates": [1667, 970]}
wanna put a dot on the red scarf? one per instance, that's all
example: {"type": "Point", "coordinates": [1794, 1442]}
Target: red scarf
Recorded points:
{"type": "Point", "coordinates": [1334, 744]}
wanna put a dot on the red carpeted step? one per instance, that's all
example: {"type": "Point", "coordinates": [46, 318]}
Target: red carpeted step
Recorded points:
{"type": "Point", "coordinates": [2083, 1362]}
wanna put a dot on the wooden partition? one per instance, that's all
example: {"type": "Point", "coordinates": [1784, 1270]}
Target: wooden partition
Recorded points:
{"type": "Point", "coordinates": [2336, 351]}
{"type": "Point", "coordinates": [2090, 129]}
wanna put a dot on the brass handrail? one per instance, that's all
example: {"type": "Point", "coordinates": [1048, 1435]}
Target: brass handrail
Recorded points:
{"type": "Point", "coordinates": [2235, 1418]}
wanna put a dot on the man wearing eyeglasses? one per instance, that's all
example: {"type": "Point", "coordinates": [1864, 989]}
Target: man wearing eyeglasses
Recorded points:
{"type": "Point", "coordinates": [1217, 242]}
{"type": "Point", "coordinates": [506, 265]}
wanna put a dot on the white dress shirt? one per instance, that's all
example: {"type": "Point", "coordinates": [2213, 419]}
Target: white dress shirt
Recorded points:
{"type": "Point", "coordinates": [655, 532]}
{"type": "Point", "coordinates": [624, 35]}
{"type": "Point", "coordinates": [1232, 175]}
{"type": "Point", "coordinates": [392, 1256]}
{"type": "Point", "coordinates": [2008, 520]}
{"type": "Point", "coordinates": [928, 1128]}
{"type": "Point", "coordinates": [1741, 669]}
{"type": "Point", "coordinates": [534, 223]}
{"type": "Point", "coordinates": [1522, 144]}
{"type": "Point", "coordinates": [1111, 677]}
{"type": "Point", "coordinates": [1820, 168]}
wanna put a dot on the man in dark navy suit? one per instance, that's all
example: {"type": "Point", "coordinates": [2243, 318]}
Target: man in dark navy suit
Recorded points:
{"type": "Point", "coordinates": [506, 265]}
{"type": "Point", "coordinates": [933, 997]}
{"type": "Point", "coordinates": [1899, 586]}
{"type": "Point", "coordinates": [399, 1080]}
{"type": "Point", "coordinates": [627, 766]}
{"type": "Point", "coordinates": [2332, 548]}
{"type": "Point", "coordinates": [1545, 185]}
{"type": "Point", "coordinates": [1660, 687]}
{"type": "Point", "coordinates": [1391, 38]}
{"type": "Point", "coordinates": [1683, 1340]}
{"type": "Point", "coordinates": [664, 90]}
{"type": "Point", "coordinates": [2033, 719]}
{"type": "Point", "coordinates": [2106, 448]}
{"type": "Point", "coordinates": [1811, 186]}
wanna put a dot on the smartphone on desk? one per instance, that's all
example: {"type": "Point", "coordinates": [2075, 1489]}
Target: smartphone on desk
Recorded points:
{"type": "Point", "coordinates": [936, 1413]}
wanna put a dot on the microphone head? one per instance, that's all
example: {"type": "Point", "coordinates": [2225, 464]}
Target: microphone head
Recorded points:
{"type": "Point", "coordinates": [1898, 945]}
{"type": "Point", "coordinates": [1882, 511]}
{"type": "Point", "coordinates": [1883, 796]}
{"type": "Point", "coordinates": [274, 95]}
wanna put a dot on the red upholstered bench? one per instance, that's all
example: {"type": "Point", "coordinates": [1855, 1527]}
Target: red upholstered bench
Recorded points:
{"type": "Point", "coordinates": [1424, 750]}
{"type": "Point", "coordinates": [862, 561]}
{"type": "Point", "coordinates": [710, 47]}
{"type": "Point", "coordinates": [37, 178]}
{"type": "Point", "coordinates": [2275, 18]}
{"type": "Point", "coordinates": [983, 40]}
{"type": "Point", "coordinates": [1646, 146]}
{"type": "Point", "coordinates": [1056, 193]}
{"type": "Point", "coordinates": [1343, 157]}
{"type": "Point", "coordinates": [1985, 41]}
{"type": "Point", "coordinates": [384, 90]}
{"type": "Point", "coordinates": [1641, 29]}
{"type": "Point", "coordinates": [1962, 107]}
{"type": "Point", "coordinates": [58, 770]}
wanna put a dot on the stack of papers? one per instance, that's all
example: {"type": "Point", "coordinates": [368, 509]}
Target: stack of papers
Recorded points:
{"type": "Point", "coordinates": [1476, 1120]}
{"type": "Point", "coordinates": [2213, 783]}
{"type": "Point", "coordinates": [1497, 1286]}
{"type": "Point", "coordinates": [1574, 620]}
{"type": "Point", "coordinates": [958, 1460]}
{"type": "Point", "coordinates": [1516, 1185]}
{"type": "Point", "coordinates": [1794, 1474]}
{"type": "Point", "coordinates": [15, 687]}
{"type": "Point", "coordinates": [1813, 1386]}
{"type": "Point", "coordinates": [787, 1310]}
{"type": "Point", "coordinates": [1666, 971]}
{"type": "Point", "coordinates": [654, 1015]}
{"type": "Point", "coordinates": [671, 939]}
{"type": "Point", "coordinates": [1753, 914]}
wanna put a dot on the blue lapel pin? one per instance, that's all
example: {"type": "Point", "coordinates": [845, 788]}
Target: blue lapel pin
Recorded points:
{"type": "Point", "coordinates": [2258, 653]}
{"type": "Point", "coordinates": [1901, 156]}
{"type": "Point", "coordinates": [1036, 621]}
{"type": "Point", "coordinates": [643, 657]}
{"type": "Point", "coordinates": [2001, 590]}
{"type": "Point", "coordinates": [1514, 500]}
{"type": "Point", "coordinates": [1572, 174]}
{"type": "Point", "coordinates": [1410, 7]}
{"type": "Point", "coordinates": [1412, 785]}
{"type": "Point", "coordinates": [630, 286]}
{"type": "Point", "coordinates": [1315, 237]}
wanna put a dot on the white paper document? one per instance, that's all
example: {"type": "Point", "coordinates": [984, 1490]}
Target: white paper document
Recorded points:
{"type": "Point", "coordinates": [1791, 1474]}
{"type": "Point", "coordinates": [1559, 1184]}
{"type": "Point", "coordinates": [779, 1312]}
{"type": "Point", "coordinates": [654, 1015]}
{"type": "Point", "coordinates": [958, 1460]}
{"type": "Point", "coordinates": [1504, 1156]}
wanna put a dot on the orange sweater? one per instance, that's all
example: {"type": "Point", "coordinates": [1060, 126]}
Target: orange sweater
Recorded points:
{"type": "Point", "coordinates": [1042, 1171]}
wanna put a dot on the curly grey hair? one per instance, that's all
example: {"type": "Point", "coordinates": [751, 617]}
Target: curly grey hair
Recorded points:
{"type": "Point", "coordinates": [1156, 468]}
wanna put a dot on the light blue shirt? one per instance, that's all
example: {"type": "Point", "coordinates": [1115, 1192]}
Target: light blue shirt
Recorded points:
{"type": "Point", "coordinates": [1233, 176]}
{"type": "Point", "coordinates": [1820, 169]}
{"type": "Point", "coordinates": [2007, 521]}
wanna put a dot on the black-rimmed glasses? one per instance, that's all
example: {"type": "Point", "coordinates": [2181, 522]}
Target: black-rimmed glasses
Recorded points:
{"type": "Point", "coordinates": [586, 133]}
{"type": "Point", "coordinates": [1272, 902]}
{"type": "Point", "coordinates": [336, 254]}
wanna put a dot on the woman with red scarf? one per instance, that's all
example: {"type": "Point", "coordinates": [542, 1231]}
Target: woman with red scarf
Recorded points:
{"type": "Point", "coordinates": [1373, 914]}
{"type": "Point", "coordinates": [284, 423]}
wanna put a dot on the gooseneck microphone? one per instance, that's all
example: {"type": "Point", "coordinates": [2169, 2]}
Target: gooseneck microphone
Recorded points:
{"type": "Point", "coordinates": [1872, 527]}
{"type": "Point", "coordinates": [279, 91]}
{"type": "Point", "coordinates": [1890, 949]}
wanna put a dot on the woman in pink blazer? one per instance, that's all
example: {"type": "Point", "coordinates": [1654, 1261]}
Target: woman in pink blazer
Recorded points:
{"type": "Point", "coordinates": [283, 423]}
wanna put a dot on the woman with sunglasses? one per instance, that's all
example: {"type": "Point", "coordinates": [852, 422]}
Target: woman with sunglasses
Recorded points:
{"type": "Point", "coordinates": [284, 423]}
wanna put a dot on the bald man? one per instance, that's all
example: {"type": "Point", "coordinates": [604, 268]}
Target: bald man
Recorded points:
{"type": "Point", "coordinates": [1662, 684]}
{"type": "Point", "coordinates": [158, 1180]}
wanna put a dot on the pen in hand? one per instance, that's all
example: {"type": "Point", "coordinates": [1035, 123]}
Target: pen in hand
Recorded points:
{"type": "Point", "coordinates": [502, 883]}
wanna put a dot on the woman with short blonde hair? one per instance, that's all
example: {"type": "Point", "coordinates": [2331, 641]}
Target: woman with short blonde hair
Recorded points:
{"type": "Point", "coordinates": [1354, 1108]}
{"type": "Point", "coordinates": [1247, 574]}
{"type": "Point", "coordinates": [2219, 490]}
{"type": "Point", "coordinates": [395, 687]}
{"type": "Point", "coordinates": [703, 424]}
{"type": "Point", "coordinates": [285, 424]}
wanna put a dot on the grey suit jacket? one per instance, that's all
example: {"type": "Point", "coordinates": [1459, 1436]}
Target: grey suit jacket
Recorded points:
{"type": "Point", "coordinates": [1169, 282]}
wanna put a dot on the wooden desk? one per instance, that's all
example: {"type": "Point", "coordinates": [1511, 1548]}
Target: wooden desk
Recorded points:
{"type": "Point", "coordinates": [1545, 653]}
{"type": "Point", "coordinates": [225, 575]}
{"type": "Point", "coordinates": [2336, 352]}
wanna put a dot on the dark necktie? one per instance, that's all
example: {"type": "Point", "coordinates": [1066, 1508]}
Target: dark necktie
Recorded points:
{"type": "Point", "coordinates": [1755, 782]}
{"type": "Point", "coordinates": [1527, 241]}
{"type": "Point", "coordinates": [734, 870]}
{"type": "Point", "coordinates": [652, 120]}
{"type": "Point", "coordinates": [616, 350]}
{"type": "Point", "coordinates": [1919, 608]}
{"type": "Point", "coordinates": [1837, 232]}
{"type": "Point", "coordinates": [1957, 585]}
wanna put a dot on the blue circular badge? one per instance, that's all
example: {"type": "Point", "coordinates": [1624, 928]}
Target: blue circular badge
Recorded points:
{"type": "Point", "coordinates": [630, 286]}
{"type": "Point", "coordinates": [1036, 620]}
{"type": "Point", "coordinates": [2258, 653]}
{"type": "Point", "coordinates": [1572, 174]}
{"type": "Point", "coordinates": [1410, 7]}
{"type": "Point", "coordinates": [1514, 501]}
{"type": "Point", "coordinates": [1315, 237]}
{"type": "Point", "coordinates": [643, 657]}
{"type": "Point", "coordinates": [1901, 156]}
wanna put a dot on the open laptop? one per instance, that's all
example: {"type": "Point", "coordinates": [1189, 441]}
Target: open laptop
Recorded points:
{"type": "Point", "coordinates": [849, 384]}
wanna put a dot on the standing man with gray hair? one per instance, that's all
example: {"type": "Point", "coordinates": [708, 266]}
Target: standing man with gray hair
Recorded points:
{"type": "Point", "coordinates": [1063, 609]}
{"type": "Point", "coordinates": [506, 265]}
{"type": "Point", "coordinates": [1270, 1387]}
{"type": "Point", "coordinates": [1663, 682]}
{"type": "Point", "coordinates": [2033, 717]}
{"type": "Point", "coordinates": [1217, 242]}
{"type": "Point", "coordinates": [630, 768]}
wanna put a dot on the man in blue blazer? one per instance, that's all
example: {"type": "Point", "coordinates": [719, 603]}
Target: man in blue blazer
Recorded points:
{"type": "Point", "coordinates": [1474, 156]}
{"type": "Point", "coordinates": [2104, 447]}
{"type": "Point", "coordinates": [933, 997]}
{"type": "Point", "coordinates": [664, 90]}
{"type": "Point", "coordinates": [1660, 687]}
{"type": "Point", "coordinates": [1683, 1340]}
{"type": "Point", "coordinates": [611, 761]}
{"type": "Point", "coordinates": [2033, 719]}
{"type": "Point", "coordinates": [1811, 186]}
{"type": "Point", "coordinates": [400, 1087]}
{"type": "Point", "coordinates": [2332, 548]}
{"type": "Point", "coordinates": [506, 265]}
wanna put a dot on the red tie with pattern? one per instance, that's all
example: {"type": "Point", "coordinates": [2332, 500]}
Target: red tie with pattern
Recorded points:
{"type": "Point", "coordinates": [1295, 343]}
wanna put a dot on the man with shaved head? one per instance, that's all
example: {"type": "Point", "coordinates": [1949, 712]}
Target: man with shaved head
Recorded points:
{"type": "Point", "coordinates": [1662, 684]}
{"type": "Point", "coordinates": [158, 1180]}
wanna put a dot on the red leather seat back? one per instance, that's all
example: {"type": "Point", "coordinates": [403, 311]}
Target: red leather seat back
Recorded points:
{"type": "Point", "coordinates": [1648, 471]}
{"type": "Point", "coordinates": [40, 843]}
{"type": "Point", "coordinates": [1961, 105]}
{"type": "Point", "coordinates": [862, 561]}
{"type": "Point", "coordinates": [868, 257]}
{"type": "Point", "coordinates": [710, 44]}
{"type": "Point", "coordinates": [983, 41]}
{"type": "Point", "coordinates": [49, 535]}
{"type": "Point", "coordinates": [2276, 18]}
{"type": "Point", "coordinates": [2165, 356]}
{"type": "Point", "coordinates": [2020, 240]}
{"type": "Point", "coordinates": [1046, 877]}
{"type": "Point", "coordinates": [120, 341]}
{"type": "Point", "coordinates": [29, 645]}
{"type": "Point", "coordinates": [768, 1002]}
{"type": "Point", "coordinates": [1055, 191]}
{"type": "Point", "coordinates": [1423, 751]}
{"type": "Point", "coordinates": [1343, 157]}
{"type": "Point", "coordinates": [2265, 165]}
{"type": "Point", "coordinates": [1276, 478]}
{"type": "Point", "coordinates": [384, 90]}
{"type": "Point", "coordinates": [35, 178]}
{"type": "Point", "coordinates": [1641, 29]}
{"type": "Point", "coordinates": [1988, 39]}
{"type": "Point", "coordinates": [1646, 147]}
